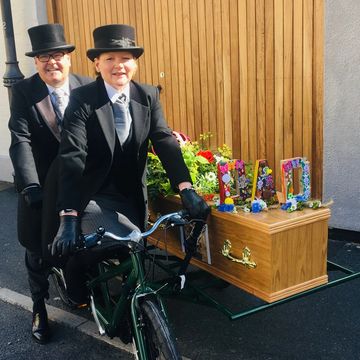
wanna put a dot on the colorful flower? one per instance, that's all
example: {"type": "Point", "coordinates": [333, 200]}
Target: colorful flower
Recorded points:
{"type": "Point", "coordinates": [224, 167]}
{"type": "Point", "coordinates": [210, 176]}
{"type": "Point", "coordinates": [239, 164]}
{"type": "Point", "coordinates": [243, 181]}
{"type": "Point", "coordinates": [255, 207]}
{"type": "Point", "coordinates": [229, 201]}
{"type": "Point", "coordinates": [226, 178]}
{"type": "Point", "coordinates": [207, 154]}
{"type": "Point", "coordinates": [269, 181]}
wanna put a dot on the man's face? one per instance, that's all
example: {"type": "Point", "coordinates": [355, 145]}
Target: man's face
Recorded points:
{"type": "Point", "coordinates": [53, 67]}
{"type": "Point", "coordinates": [117, 68]}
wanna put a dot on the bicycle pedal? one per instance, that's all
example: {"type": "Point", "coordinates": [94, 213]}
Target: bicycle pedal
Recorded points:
{"type": "Point", "coordinates": [82, 306]}
{"type": "Point", "coordinates": [77, 306]}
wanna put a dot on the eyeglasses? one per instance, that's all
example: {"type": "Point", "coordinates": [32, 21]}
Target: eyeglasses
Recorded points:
{"type": "Point", "coordinates": [46, 57]}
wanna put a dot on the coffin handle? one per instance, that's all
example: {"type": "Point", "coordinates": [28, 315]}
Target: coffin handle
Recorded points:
{"type": "Point", "coordinates": [246, 255]}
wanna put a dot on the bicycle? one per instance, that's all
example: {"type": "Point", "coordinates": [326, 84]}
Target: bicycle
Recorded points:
{"type": "Point", "coordinates": [137, 307]}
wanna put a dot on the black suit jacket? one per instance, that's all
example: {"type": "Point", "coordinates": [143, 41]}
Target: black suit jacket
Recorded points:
{"type": "Point", "coordinates": [88, 143]}
{"type": "Point", "coordinates": [34, 133]}
{"type": "Point", "coordinates": [34, 145]}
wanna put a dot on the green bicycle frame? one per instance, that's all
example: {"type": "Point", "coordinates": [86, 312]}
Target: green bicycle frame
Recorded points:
{"type": "Point", "coordinates": [112, 310]}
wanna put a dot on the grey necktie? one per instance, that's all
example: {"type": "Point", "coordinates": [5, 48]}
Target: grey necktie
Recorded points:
{"type": "Point", "coordinates": [122, 118]}
{"type": "Point", "coordinates": [60, 102]}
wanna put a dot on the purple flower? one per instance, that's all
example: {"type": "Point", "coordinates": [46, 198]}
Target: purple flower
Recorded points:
{"type": "Point", "coordinates": [239, 164]}
{"type": "Point", "coordinates": [287, 166]}
{"type": "Point", "coordinates": [269, 181]}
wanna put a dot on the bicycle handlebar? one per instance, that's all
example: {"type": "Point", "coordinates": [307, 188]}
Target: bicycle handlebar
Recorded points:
{"type": "Point", "coordinates": [175, 218]}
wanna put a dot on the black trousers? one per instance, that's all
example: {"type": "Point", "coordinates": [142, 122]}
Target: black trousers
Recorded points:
{"type": "Point", "coordinates": [29, 235]}
{"type": "Point", "coordinates": [118, 216]}
{"type": "Point", "coordinates": [38, 272]}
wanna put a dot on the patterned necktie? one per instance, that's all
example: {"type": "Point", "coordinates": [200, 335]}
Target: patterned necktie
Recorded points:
{"type": "Point", "coordinates": [60, 102]}
{"type": "Point", "coordinates": [122, 118]}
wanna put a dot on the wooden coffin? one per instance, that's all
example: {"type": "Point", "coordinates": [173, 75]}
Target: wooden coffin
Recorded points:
{"type": "Point", "coordinates": [274, 254]}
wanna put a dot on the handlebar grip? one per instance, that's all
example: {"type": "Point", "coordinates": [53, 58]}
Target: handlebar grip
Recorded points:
{"type": "Point", "coordinates": [87, 241]}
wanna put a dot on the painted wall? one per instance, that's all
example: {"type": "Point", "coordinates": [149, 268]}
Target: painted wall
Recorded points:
{"type": "Point", "coordinates": [25, 14]}
{"type": "Point", "coordinates": [342, 112]}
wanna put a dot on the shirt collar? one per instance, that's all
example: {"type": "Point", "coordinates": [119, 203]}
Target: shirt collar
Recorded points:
{"type": "Point", "coordinates": [113, 94]}
{"type": "Point", "coordinates": [65, 88]}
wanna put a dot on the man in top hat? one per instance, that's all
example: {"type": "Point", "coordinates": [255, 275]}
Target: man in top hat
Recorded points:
{"type": "Point", "coordinates": [37, 107]}
{"type": "Point", "coordinates": [103, 152]}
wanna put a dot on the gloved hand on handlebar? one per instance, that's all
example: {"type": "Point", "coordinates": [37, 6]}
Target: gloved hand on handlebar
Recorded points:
{"type": "Point", "coordinates": [194, 204]}
{"type": "Point", "coordinates": [67, 237]}
{"type": "Point", "coordinates": [33, 196]}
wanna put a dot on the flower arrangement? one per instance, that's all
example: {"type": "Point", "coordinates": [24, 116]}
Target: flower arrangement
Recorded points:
{"type": "Point", "coordinates": [287, 167]}
{"type": "Point", "coordinates": [202, 165]}
{"type": "Point", "coordinates": [230, 183]}
{"type": "Point", "coordinates": [291, 201]}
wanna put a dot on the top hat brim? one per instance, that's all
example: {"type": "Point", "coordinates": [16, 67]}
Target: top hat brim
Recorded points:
{"type": "Point", "coordinates": [93, 53]}
{"type": "Point", "coordinates": [68, 48]}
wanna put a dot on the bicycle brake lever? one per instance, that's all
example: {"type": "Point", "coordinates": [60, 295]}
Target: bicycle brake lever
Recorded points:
{"type": "Point", "coordinates": [177, 283]}
{"type": "Point", "coordinates": [177, 219]}
{"type": "Point", "coordinates": [94, 238]}
{"type": "Point", "coordinates": [184, 213]}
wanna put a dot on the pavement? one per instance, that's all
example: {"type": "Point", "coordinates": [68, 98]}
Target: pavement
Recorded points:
{"type": "Point", "coordinates": [321, 325]}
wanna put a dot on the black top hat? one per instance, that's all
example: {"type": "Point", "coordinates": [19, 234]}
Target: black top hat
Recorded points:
{"type": "Point", "coordinates": [116, 37]}
{"type": "Point", "coordinates": [47, 37]}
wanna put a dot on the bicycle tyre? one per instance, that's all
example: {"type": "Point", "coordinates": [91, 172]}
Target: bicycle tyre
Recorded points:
{"type": "Point", "coordinates": [58, 281]}
{"type": "Point", "coordinates": [159, 341]}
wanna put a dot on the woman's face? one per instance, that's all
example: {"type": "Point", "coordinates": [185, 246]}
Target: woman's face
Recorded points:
{"type": "Point", "coordinates": [117, 68]}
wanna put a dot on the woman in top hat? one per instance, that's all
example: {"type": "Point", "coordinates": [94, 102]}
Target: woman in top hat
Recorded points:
{"type": "Point", "coordinates": [35, 123]}
{"type": "Point", "coordinates": [103, 151]}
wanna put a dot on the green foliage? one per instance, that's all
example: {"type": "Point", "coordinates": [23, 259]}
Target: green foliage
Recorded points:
{"type": "Point", "coordinates": [157, 181]}
{"type": "Point", "coordinates": [202, 165]}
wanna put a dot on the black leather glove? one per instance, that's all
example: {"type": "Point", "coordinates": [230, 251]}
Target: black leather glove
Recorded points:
{"type": "Point", "coordinates": [33, 196]}
{"type": "Point", "coordinates": [67, 237]}
{"type": "Point", "coordinates": [194, 204]}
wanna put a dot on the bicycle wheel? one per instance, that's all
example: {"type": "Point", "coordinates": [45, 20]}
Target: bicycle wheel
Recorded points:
{"type": "Point", "coordinates": [159, 341]}
{"type": "Point", "coordinates": [58, 279]}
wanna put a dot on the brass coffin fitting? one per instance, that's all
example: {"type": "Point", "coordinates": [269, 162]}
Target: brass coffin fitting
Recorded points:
{"type": "Point", "coordinates": [246, 254]}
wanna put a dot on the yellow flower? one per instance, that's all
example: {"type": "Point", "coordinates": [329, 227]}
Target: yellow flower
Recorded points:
{"type": "Point", "coordinates": [229, 201]}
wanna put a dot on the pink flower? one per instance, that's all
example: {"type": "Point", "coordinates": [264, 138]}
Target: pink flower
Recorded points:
{"type": "Point", "coordinates": [224, 168]}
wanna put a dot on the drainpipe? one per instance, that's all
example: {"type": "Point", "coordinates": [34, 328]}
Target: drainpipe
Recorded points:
{"type": "Point", "coordinates": [12, 72]}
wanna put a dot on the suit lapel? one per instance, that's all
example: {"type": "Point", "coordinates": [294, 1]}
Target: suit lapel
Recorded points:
{"type": "Point", "coordinates": [73, 82]}
{"type": "Point", "coordinates": [106, 119]}
{"type": "Point", "coordinates": [105, 114]}
{"type": "Point", "coordinates": [140, 117]}
{"type": "Point", "coordinates": [48, 114]}
{"type": "Point", "coordinates": [140, 114]}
